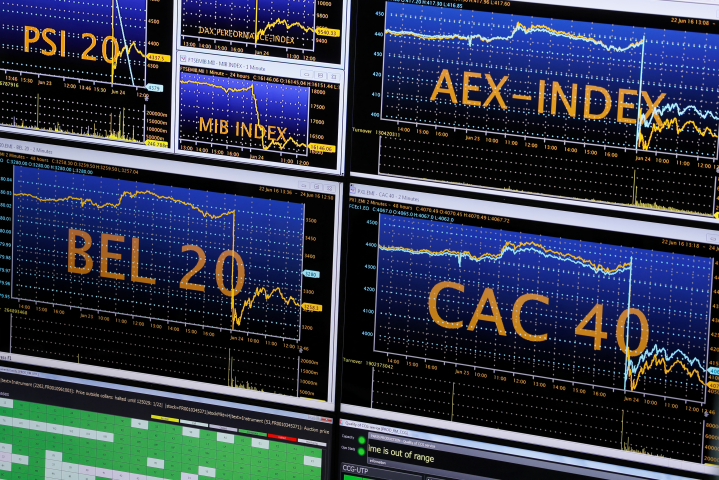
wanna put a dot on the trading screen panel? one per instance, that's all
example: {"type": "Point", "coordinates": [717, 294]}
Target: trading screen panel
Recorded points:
{"type": "Point", "coordinates": [260, 112]}
{"type": "Point", "coordinates": [564, 326]}
{"type": "Point", "coordinates": [88, 71]}
{"type": "Point", "coordinates": [55, 427]}
{"type": "Point", "coordinates": [368, 451]}
{"type": "Point", "coordinates": [592, 104]}
{"type": "Point", "coordinates": [226, 288]}
{"type": "Point", "coordinates": [293, 30]}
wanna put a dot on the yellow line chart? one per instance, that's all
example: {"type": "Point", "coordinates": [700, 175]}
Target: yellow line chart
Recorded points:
{"type": "Point", "coordinates": [643, 142]}
{"type": "Point", "coordinates": [278, 21]}
{"type": "Point", "coordinates": [247, 304]}
{"type": "Point", "coordinates": [251, 88]}
{"type": "Point", "coordinates": [655, 360]}
{"type": "Point", "coordinates": [513, 247]}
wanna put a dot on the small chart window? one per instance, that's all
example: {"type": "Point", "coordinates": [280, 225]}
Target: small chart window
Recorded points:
{"type": "Point", "coordinates": [89, 71]}
{"type": "Point", "coordinates": [308, 31]}
{"type": "Point", "coordinates": [260, 112]}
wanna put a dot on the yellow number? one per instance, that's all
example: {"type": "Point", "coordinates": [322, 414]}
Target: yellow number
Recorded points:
{"type": "Point", "coordinates": [642, 339]}
{"type": "Point", "coordinates": [185, 282]}
{"type": "Point", "coordinates": [92, 38]}
{"type": "Point", "coordinates": [597, 332]}
{"type": "Point", "coordinates": [240, 273]}
{"type": "Point", "coordinates": [115, 49]}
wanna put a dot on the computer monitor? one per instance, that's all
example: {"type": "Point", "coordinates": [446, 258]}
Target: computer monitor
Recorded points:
{"type": "Point", "coordinates": [485, 229]}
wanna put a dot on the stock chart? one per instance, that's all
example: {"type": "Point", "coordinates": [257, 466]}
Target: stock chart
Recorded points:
{"type": "Point", "coordinates": [159, 277]}
{"type": "Point", "coordinates": [256, 247]}
{"type": "Point", "coordinates": [634, 287]}
{"type": "Point", "coordinates": [309, 30]}
{"type": "Point", "coordinates": [264, 118]}
{"type": "Point", "coordinates": [491, 321]}
{"type": "Point", "coordinates": [614, 111]}
{"type": "Point", "coordinates": [89, 70]}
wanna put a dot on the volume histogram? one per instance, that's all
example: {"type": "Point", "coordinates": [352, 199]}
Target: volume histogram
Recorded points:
{"type": "Point", "coordinates": [547, 78]}
{"type": "Point", "coordinates": [520, 303]}
{"type": "Point", "coordinates": [242, 113]}
{"type": "Point", "coordinates": [175, 254]}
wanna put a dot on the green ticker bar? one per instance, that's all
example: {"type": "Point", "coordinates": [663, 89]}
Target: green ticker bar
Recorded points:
{"type": "Point", "coordinates": [250, 432]}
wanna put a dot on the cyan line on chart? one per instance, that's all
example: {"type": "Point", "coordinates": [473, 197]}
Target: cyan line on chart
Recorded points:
{"type": "Point", "coordinates": [656, 350]}
{"type": "Point", "coordinates": [597, 269]}
{"type": "Point", "coordinates": [680, 111]}
{"type": "Point", "coordinates": [525, 30]}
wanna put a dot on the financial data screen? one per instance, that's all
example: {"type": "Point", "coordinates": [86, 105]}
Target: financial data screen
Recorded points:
{"type": "Point", "coordinates": [57, 427]}
{"type": "Point", "coordinates": [260, 112]}
{"type": "Point", "coordinates": [140, 272]}
{"type": "Point", "coordinates": [306, 30]}
{"type": "Point", "coordinates": [369, 451]}
{"type": "Point", "coordinates": [603, 105]}
{"type": "Point", "coordinates": [597, 332]}
{"type": "Point", "coordinates": [460, 240]}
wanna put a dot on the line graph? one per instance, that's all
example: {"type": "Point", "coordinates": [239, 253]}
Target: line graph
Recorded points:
{"type": "Point", "coordinates": [518, 28]}
{"type": "Point", "coordinates": [515, 249]}
{"type": "Point", "coordinates": [260, 292]}
{"type": "Point", "coordinates": [259, 33]}
{"type": "Point", "coordinates": [101, 42]}
{"type": "Point", "coordinates": [288, 24]}
{"type": "Point", "coordinates": [540, 78]}
{"type": "Point", "coordinates": [659, 356]}
{"type": "Point", "coordinates": [703, 114]}
{"type": "Point", "coordinates": [148, 245]}
{"type": "Point", "coordinates": [646, 142]}
{"type": "Point", "coordinates": [244, 113]}
{"type": "Point", "coordinates": [524, 303]}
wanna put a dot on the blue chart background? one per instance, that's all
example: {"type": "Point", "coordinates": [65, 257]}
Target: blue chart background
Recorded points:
{"type": "Point", "coordinates": [682, 65]}
{"type": "Point", "coordinates": [673, 291]}
{"type": "Point", "coordinates": [240, 17]}
{"type": "Point", "coordinates": [75, 18]}
{"type": "Point", "coordinates": [268, 237]}
{"type": "Point", "coordinates": [284, 106]}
